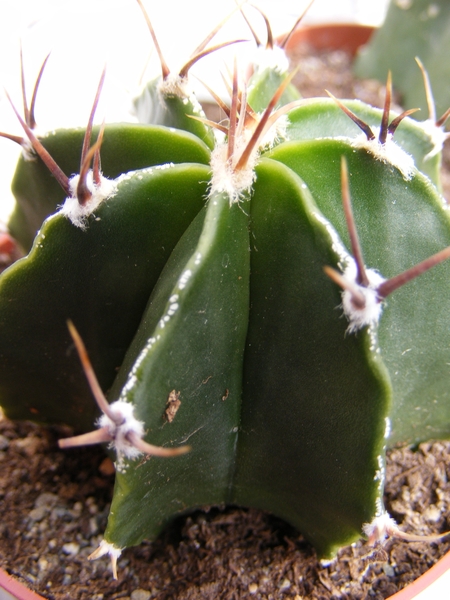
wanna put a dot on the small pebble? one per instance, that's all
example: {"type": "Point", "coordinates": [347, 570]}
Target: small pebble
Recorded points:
{"type": "Point", "coordinates": [60, 513]}
{"type": "Point", "coordinates": [107, 467]}
{"type": "Point", "coordinates": [43, 564]}
{"type": "Point", "coordinates": [91, 505]}
{"type": "Point", "coordinates": [253, 588]}
{"type": "Point", "coordinates": [4, 442]}
{"type": "Point", "coordinates": [37, 514]}
{"type": "Point", "coordinates": [140, 595]}
{"type": "Point", "coordinates": [29, 445]}
{"type": "Point", "coordinates": [43, 526]}
{"type": "Point", "coordinates": [93, 526]}
{"type": "Point", "coordinates": [432, 514]}
{"type": "Point", "coordinates": [285, 585]}
{"type": "Point", "coordinates": [46, 499]}
{"type": "Point", "coordinates": [71, 548]}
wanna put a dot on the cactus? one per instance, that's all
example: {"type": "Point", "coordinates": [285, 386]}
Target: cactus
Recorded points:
{"type": "Point", "coordinates": [234, 347]}
{"type": "Point", "coordinates": [416, 28]}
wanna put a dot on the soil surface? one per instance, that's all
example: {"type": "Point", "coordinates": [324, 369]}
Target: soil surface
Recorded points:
{"type": "Point", "coordinates": [54, 506]}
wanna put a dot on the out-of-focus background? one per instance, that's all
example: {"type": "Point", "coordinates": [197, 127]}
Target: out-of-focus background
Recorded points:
{"type": "Point", "coordinates": [83, 35]}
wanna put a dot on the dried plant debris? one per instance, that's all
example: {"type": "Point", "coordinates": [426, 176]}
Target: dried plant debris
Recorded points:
{"type": "Point", "coordinates": [172, 406]}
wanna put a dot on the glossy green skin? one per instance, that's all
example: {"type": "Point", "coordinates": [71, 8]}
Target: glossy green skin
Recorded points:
{"type": "Point", "coordinates": [261, 87]}
{"type": "Point", "coordinates": [254, 394]}
{"type": "Point", "coordinates": [100, 278]}
{"type": "Point", "coordinates": [198, 351]}
{"type": "Point", "coordinates": [153, 106]}
{"type": "Point", "coordinates": [303, 375]}
{"type": "Point", "coordinates": [400, 223]}
{"type": "Point", "coordinates": [172, 288]}
{"type": "Point", "coordinates": [322, 117]}
{"type": "Point", "coordinates": [126, 147]}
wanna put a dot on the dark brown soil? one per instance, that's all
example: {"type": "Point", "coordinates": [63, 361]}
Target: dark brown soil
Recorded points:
{"type": "Point", "coordinates": [54, 506]}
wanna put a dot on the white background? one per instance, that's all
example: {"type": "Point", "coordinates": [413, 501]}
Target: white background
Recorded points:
{"type": "Point", "coordinates": [83, 35]}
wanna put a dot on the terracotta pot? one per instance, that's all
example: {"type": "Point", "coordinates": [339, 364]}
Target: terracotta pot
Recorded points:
{"type": "Point", "coordinates": [340, 36]}
{"type": "Point", "coordinates": [432, 585]}
{"type": "Point", "coordinates": [11, 589]}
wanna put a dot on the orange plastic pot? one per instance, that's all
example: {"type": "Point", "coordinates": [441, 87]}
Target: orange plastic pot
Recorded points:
{"type": "Point", "coordinates": [339, 36]}
{"type": "Point", "coordinates": [12, 589]}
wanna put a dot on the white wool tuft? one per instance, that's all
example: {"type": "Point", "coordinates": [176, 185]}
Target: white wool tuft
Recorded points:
{"type": "Point", "coordinates": [380, 528]}
{"type": "Point", "coordinates": [437, 136]}
{"type": "Point", "coordinates": [390, 153]}
{"type": "Point", "coordinates": [28, 152]}
{"type": "Point", "coordinates": [371, 312]}
{"type": "Point", "coordinates": [78, 213]}
{"type": "Point", "coordinates": [118, 432]}
{"type": "Point", "coordinates": [276, 133]}
{"type": "Point", "coordinates": [225, 179]}
{"type": "Point", "coordinates": [112, 551]}
{"type": "Point", "coordinates": [174, 85]}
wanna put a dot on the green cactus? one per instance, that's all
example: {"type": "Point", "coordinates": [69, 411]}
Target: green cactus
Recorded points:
{"type": "Point", "coordinates": [415, 32]}
{"type": "Point", "coordinates": [416, 28]}
{"type": "Point", "coordinates": [204, 277]}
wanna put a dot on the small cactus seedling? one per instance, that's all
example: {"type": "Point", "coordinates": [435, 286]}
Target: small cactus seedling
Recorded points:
{"type": "Point", "coordinates": [192, 265]}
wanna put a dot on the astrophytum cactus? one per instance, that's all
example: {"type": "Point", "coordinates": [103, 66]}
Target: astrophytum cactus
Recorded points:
{"type": "Point", "coordinates": [239, 347]}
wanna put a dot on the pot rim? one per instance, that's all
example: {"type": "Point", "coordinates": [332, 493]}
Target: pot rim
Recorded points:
{"type": "Point", "coordinates": [330, 36]}
{"type": "Point", "coordinates": [20, 592]}
{"type": "Point", "coordinates": [425, 581]}
{"type": "Point", "coordinates": [16, 589]}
